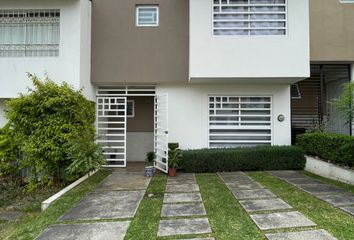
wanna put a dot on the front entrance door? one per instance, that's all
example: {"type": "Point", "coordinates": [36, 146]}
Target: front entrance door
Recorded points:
{"type": "Point", "coordinates": [111, 129]}
{"type": "Point", "coordinates": [161, 132]}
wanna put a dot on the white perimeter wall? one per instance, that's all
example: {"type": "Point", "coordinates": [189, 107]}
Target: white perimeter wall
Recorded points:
{"type": "Point", "coordinates": [71, 66]}
{"type": "Point", "coordinates": [188, 110]}
{"type": "Point", "coordinates": [257, 57]}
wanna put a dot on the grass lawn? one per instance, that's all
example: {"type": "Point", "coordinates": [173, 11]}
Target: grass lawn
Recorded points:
{"type": "Point", "coordinates": [226, 216]}
{"type": "Point", "coordinates": [146, 221]}
{"type": "Point", "coordinates": [335, 221]}
{"type": "Point", "coordinates": [32, 223]}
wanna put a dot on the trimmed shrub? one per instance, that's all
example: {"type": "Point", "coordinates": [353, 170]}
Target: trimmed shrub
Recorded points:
{"type": "Point", "coordinates": [243, 159]}
{"type": "Point", "coordinates": [331, 147]}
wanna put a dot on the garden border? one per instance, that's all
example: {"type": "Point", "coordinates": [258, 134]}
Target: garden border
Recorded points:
{"type": "Point", "coordinates": [46, 203]}
{"type": "Point", "coordinates": [329, 170]}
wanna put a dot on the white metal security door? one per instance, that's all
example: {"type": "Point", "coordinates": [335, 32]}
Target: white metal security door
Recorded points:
{"type": "Point", "coordinates": [111, 129]}
{"type": "Point", "coordinates": [161, 132]}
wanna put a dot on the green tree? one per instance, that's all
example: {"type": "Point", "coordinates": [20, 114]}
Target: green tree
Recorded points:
{"type": "Point", "coordinates": [44, 122]}
{"type": "Point", "coordinates": [345, 103]}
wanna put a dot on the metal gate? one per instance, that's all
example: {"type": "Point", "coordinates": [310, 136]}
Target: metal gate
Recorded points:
{"type": "Point", "coordinates": [161, 132]}
{"type": "Point", "coordinates": [111, 129]}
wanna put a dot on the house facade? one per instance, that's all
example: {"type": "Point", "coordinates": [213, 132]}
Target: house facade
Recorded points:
{"type": "Point", "coordinates": [203, 73]}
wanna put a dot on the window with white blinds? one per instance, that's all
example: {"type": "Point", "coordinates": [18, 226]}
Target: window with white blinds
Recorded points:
{"type": "Point", "coordinates": [239, 121]}
{"type": "Point", "coordinates": [249, 17]}
{"type": "Point", "coordinates": [29, 33]}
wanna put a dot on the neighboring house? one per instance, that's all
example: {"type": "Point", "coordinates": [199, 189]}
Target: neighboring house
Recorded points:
{"type": "Point", "coordinates": [203, 73]}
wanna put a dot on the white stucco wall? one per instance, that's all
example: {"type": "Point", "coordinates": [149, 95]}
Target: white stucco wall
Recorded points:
{"type": "Point", "coordinates": [264, 58]}
{"type": "Point", "coordinates": [71, 66]}
{"type": "Point", "coordinates": [2, 113]}
{"type": "Point", "coordinates": [188, 110]}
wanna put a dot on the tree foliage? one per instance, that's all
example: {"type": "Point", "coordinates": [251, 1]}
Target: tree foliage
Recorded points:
{"type": "Point", "coordinates": [345, 103]}
{"type": "Point", "coordinates": [43, 124]}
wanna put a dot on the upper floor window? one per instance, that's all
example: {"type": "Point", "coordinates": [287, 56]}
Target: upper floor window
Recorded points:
{"type": "Point", "coordinates": [249, 17]}
{"type": "Point", "coordinates": [29, 33]}
{"type": "Point", "coordinates": [147, 15]}
{"type": "Point", "coordinates": [346, 1]}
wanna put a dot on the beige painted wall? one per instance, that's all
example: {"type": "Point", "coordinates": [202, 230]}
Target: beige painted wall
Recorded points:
{"type": "Point", "coordinates": [143, 121]}
{"type": "Point", "coordinates": [331, 30]}
{"type": "Point", "coordinates": [124, 53]}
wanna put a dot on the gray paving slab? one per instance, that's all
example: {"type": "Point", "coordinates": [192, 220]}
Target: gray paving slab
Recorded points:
{"type": "Point", "coordinates": [248, 194]}
{"type": "Point", "coordinates": [181, 210]}
{"type": "Point", "coordinates": [338, 199]}
{"type": "Point", "coordinates": [229, 178]}
{"type": "Point", "coordinates": [86, 231]}
{"type": "Point", "coordinates": [182, 178]}
{"type": "Point", "coordinates": [317, 189]}
{"type": "Point", "coordinates": [281, 220]}
{"type": "Point", "coordinates": [182, 197]}
{"type": "Point", "coordinates": [124, 181]}
{"type": "Point", "coordinates": [287, 174]}
{"type": "Point", "coordinates": [106, 205]}
{"type": "Point", "coordinates": [245, 186]}
{"type": "Point", "coordinates": [264, 204]}
{"type": "Point", "coordinates": [303, 181]}
{"type": "Point", "coordinates": [348, 209]}
{"type": "Point", "coordinates": [182, 188]}
{"type": "Point", "coordinates": [10, 216]}
{"type": "Point", "coordinates": [183, 227]}
{"type": "Point", "coordinates": [303, 235]}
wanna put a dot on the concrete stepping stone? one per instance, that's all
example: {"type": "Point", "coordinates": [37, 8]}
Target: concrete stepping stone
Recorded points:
{"type": "Point", "coordinates": [248, 194]}
{"type": "Point", "coordinates": [124, 181]}
{"type": "Point", "coordinates": [10, 216]}
{"type": "Point", "coordinates": [182, 197]}
{"type": "Point", "coordinates": [317, 189]}
{"type": "Point", "coordinates": [245, 186]}
{"type": "Point", "coordinates": [106, 205]}
{"type": "Point", "coordinates": [287, 174]}
{"type": "Point", "coordinates": [86, 231]}
{"type": "Point", "coordinates": [304, 235]}
{"type": "Point", "coordinates": [198, 239]}
{"type": "Point", "coordinates": [183, 227]}
{"type": "Point", "coordinates": [184, 188]}
{"type": "Point", "coordinates": [264, 204]}
{"type": "Point", "coordinates": [235, 178]}
{"type": "Point", "coordinates": [281, 220]}
{"type": "Point", "coordinates": [184, 178]}
{"type": "Point", "coordinates": [349, 210]}
{"type": "Point", "coordinates": [303, 181]}
{"type": "Point", "coordinates": [182, 210]}
{"type": "Point", "coordinates": [338, 200]}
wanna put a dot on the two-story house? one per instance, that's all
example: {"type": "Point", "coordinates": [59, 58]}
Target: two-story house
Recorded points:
{"type": "Point", "coordinates": [203, 73]}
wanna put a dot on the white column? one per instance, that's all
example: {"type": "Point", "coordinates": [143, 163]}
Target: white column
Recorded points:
{"type": "Point", "coordinates": [2, 113]}
{"type": "Point", "coordinates": [352, 80]}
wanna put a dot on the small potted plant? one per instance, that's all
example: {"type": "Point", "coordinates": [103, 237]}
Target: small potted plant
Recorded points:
{"type": "Point", "coordinates": [174, 157]}
{"type": "Point", "coordinates": [149, 170]}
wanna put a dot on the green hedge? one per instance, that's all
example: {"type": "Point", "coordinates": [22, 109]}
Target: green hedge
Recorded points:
{"type": "Point", "coordinates": [243, 159]}
{"type": "Point", "coordinates": [336, 148]}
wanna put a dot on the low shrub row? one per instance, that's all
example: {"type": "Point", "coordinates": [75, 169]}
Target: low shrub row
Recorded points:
{"type": "Point", "coordinates": [335, 148]}
{"type": "Point", "coordinates": [243, 159]}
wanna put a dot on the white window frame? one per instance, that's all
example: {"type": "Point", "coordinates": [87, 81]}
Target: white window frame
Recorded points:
{"type": "Point", "coordinates": [133, 109]}
{"type": "Point", "coordinates": [138, 7]}
{"type": "Point", "coordinates": [249, 35]}
{"type": "Point", "coordinates": [346, 1]}
{"type": "Point", "coordinates": [271, 127]}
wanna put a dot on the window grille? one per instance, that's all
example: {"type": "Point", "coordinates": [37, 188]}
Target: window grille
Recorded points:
{"type": "Point", "coordinates": [29, 33]}
{"type": "Point", "coordinates": [239, 121]}
{"type": "Point", "coordinates": [249, 17]}
{"type": "Point", "coordinates": [147, 15]}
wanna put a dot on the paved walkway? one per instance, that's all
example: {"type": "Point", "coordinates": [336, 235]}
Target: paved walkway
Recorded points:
{"type": "Point", "coordinates": [116, 198]}
{"type": "Point", "coordinates": [255, 198]}
{"type": "Point", "coordinates": [335, 196]}
{"type": "Point", "coordinates": [183, 212]}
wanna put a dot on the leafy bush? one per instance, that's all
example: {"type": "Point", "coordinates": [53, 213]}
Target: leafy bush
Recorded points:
{"type": "Point", "coordinates": [337, 148]}
{"type": "Point", "coordinates": [9, 151]}
{"type": "Point", "coordinates": [86, 156]}
{"type": "Point", "coordinates": [243, 159]}
{"type": "Point", "coordinates": [43, 123]}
